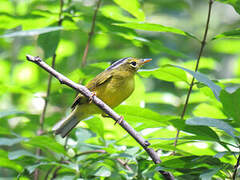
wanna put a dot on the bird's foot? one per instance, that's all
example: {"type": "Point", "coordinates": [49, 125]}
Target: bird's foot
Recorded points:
{"type": "Point", "coordinates": [105, 115]}
{"type": "Point", "coordinates": [91, 97]}
{"type": "Point", "coordinates": [119, 121]}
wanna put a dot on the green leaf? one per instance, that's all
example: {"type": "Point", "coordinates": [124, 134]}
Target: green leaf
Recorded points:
{"type": "Point", "coordinates": [31, 168]}
{"type": "Point", "coordinates": [207, 175]}
{"type": "Point", "coordinates": [133, 7]}
{"type": "Point", "coordinates": [10, 141]}
{"type": "Point", "coordinates": [83, 134]}
{"type": "Point", "coordinates": [207, 110]}
{"type": "Point", "coordinates": [96, 125]}
{"type": "Point", "coordinates": [220, 124]}
{"type": "Point", "coordinates": [49, 42]}
{"type": "Point", "coordinates": [190, 162]}
{"type": "Point", "coordinates": [166, 73]}
{"type": "Point", "coordinates": [231, 104]}
{"type": "Point", "coordinates": [204, 79]}
{"type": "Point", "coordinates": [136, 114]}
{"type": "Point", "coordinates": [10, 112]}
{"type": "Point", "coordinates": [33, 32]}
{"type": "Point", "coordinates": [154, 27]}
{"type": "Point", "coordinates": [45, 142]}
{"type": "Point", "coordinates": [20, 153]}
{"type": "Point", "coordinates": [103, 172]}
{"type": "Point", "coordinates": [115, 13]}
{"type": "Point", "coordinates": [234, 3]}
{"type": "Point", "coordinates": [201, 132]}
{"type": "Point", "coordinates": [5, 162]}
{"type": "Point", "coordinates": [229, 34]}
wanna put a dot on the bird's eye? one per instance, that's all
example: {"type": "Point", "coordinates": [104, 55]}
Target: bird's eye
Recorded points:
{"type": "Point", "coordinates": [133, 63]}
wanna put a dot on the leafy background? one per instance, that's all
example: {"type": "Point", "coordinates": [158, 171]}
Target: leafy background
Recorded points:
{"type": "Point", "coordinates": [167, 31]}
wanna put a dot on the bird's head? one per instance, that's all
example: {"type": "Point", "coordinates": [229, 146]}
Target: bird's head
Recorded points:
{"type": "Point", "coordinates": [128, 64]}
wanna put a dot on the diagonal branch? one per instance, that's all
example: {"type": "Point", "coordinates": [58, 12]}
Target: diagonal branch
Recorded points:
{"type": "Point", "coordinates": [83, 90]}
{"type": "Point", "coordinates": [84, 58]}
{"type": "Point", "coordinates": [203, 43]}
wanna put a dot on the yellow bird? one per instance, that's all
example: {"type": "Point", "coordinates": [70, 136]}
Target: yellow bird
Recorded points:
{"type": "Point", "coordinates": [112, 86]}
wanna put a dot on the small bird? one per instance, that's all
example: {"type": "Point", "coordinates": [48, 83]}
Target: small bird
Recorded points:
{"type": "Point", "coordinates": [112, 86]}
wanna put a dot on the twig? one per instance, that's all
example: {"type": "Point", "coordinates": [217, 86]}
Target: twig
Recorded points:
{"type": "Point", "coordinates": [42, 117]}
{"type": "Point", "coordinates": [236, 168]}
{"type": "Point", "coordinates": [83, 90]}
{"type": "Point", "coordinates": [203, 43]}
{"type": "Point", "coordinates": [84, 58]}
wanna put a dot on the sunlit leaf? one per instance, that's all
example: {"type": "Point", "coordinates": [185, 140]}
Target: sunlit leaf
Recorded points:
{"type": "Point", "coordinates": [103, 172]}
{"type": "Point", "coordinates": [231, 103]}
{"type": "Point", "coordinates": [33, 32]}
{"type": "Point", "coordinates": [207, 175]}
{"type": "Point", "coordinates": [49, 42]}
{"type": "Point", "coordinates": [137, 114]}
{"type": "Point", "coordinates": [10, 141]}
{"type": "Point", "coordinates": [229, 34]}
{"type": "Point", "coordinates": [20, 153]}
{"type": "Point", "coordinates": [116, 14]}
{"type": "Point", "coordinates": [133, 7]}
{"type": "Point", "coordinates": [166, 73]}
{"type": "Point", "coordinates": [204, 79]}
{"type": "Point", "coordinates": [220, 124]}
{"type": "Point", "coordinates": [234, 3]}
{"type": "Point", "coordinates": [45, 142]}
{"type": "Point", "coordinates": [154, 27]}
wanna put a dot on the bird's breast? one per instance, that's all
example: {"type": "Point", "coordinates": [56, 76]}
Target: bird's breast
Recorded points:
{"type": "Point", "coordinates": [116, 90]}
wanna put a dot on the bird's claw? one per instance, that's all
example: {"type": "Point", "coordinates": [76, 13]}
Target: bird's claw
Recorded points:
{"type": "Point", "coordinates": [91, 97]}
{"type": "Point", "coordinates": [119, 121]}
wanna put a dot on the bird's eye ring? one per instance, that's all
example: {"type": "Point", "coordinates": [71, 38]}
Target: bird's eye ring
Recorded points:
{"type": "Point", "coordinates": [133, 63]}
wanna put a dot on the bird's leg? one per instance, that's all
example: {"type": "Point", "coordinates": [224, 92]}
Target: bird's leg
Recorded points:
{"type": "Point", "coordinates": [105, 115]}
{"type": "Point", "coordinates": [119, 121]}
{"type": "Point", "coordinates": [91, 97]}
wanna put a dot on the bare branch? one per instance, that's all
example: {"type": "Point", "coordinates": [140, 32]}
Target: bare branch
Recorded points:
{"type": "Point", "coordinates": [83, 90]}
{"type": "Point", "coordinates": [203, 43]}
{"type": "Point", "coordinates": [84, 58]}
{"type": "Point", "coordinates": [42, 117]}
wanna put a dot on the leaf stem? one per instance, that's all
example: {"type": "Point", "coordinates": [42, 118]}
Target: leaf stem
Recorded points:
{"type": "Point", "coordinates": [84, 58]}
{"type": "Point", "coordinates": [236, 168]}
{"type": "Point", "coordinates": [203, 43]}
{"type": "Point", "coordinates": [46, 99]}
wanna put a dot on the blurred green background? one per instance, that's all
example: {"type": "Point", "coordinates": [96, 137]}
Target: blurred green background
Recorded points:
{"type": "Point", "coordinates": [169, 32]}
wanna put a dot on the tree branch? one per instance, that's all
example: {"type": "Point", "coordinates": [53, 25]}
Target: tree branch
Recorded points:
{"type": "Point", "coordinates": [84, 58]}
{"type": "Point", "coordinates": [83, 90]}
{"type": "Point", "coordinates": [203, 43]}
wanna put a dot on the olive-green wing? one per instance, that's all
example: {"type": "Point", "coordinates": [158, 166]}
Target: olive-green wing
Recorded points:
{"type": "Point", "coordinates": [96, 82]}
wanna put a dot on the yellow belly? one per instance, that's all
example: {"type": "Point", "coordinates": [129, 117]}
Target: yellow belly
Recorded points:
{"type": "Point", "coordinates": [112, 93]}
{"type": "Point", "coordinates": [116, 91]}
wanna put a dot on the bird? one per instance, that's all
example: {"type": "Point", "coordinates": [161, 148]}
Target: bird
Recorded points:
{"type": "Point", "coordinates": [114, 85]}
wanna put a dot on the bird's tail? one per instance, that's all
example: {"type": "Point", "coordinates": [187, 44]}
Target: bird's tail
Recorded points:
{"type": "Point", "coordinates": [64, 126]}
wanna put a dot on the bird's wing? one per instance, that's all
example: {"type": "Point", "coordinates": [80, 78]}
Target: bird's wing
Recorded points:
{"type": "Point", "coordinates": [96, 82]}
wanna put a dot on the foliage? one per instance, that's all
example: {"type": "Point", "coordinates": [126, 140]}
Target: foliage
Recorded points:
{"type": "Point", "coordinates": [167, 31]}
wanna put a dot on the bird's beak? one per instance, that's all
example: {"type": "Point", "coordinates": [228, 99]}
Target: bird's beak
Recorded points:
{"type": "Point", "coordinates": [146, 60]}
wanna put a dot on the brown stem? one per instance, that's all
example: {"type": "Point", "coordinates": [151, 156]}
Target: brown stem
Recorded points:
{"type": "Point", "coordinates": [84, 58]}
{"type": "Point", "coordinates": [84, 91]}
{"type": "Point", "coordinates": [42, 117]}
{"type": "Point", "coordinates": [236, 168]}
{"type": "Point", "coordinates": [203, 43]}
